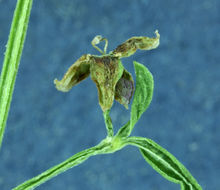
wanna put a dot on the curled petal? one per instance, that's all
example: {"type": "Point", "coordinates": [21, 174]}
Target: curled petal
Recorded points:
{"type": "Point", "coordinates": [130, 46]}
{"type": "Point", "coordinates": [105, 72]}
{"type": "Point", "coordinates": [124, 89]}
{"type": "Point", "coordinates": [146, 43]}
{"type": "Point", "coordinates": [75, 74]}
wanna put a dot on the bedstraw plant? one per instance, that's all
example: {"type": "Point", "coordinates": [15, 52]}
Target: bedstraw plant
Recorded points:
{"type": "Point", "coordinates": [113, 82]}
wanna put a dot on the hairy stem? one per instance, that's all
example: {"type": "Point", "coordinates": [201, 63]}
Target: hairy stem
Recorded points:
{"type": "Point", "coordinates": [107, 146]}
{"type": "Point", "coordinates": [62, 167]}
{"type": "Point", "coordinates": [12, 59]}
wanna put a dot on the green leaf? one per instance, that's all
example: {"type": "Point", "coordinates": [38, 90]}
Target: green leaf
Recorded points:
{"type": "Point", "coordinates": [165, 163]}
{"type": "Point", "coordinates": [12, 59]}
{"type": "Point", "coordinates": [142, 97]}
{"type": "Point", "coordinates": [143, 93]}
{"type": "Point", "coordinates": [102, 148]}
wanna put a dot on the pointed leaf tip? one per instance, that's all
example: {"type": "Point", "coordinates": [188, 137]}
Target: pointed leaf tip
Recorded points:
{"type": "Point", "coordinates": [143, 93]}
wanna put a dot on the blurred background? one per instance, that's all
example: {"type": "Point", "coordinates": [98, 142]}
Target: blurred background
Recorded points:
{"type": "Point", "coordinates": [46, 126]}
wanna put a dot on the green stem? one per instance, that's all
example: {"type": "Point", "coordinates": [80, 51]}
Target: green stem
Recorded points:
{"type": "Point", "coordinates": [108, 123]}
{"type": "Point", "coordinates": [107, 146]}
{"type": "Point", "coordinates": [12, 59]}
{"type": "Point", "coordinates": [73, 161]}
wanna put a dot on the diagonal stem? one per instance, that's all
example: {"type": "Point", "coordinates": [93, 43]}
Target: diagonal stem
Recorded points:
{"type": "Point", "coordinates": [73, 161]}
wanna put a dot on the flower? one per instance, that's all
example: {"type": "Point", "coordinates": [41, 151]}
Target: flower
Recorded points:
{"type": "Point", "coordinates": [109, 75]}
{"type": "Point", "coordinates": [107, 71]}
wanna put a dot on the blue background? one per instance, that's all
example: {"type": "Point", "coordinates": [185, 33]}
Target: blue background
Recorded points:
{"type": "Point", "coordinates": [46, 126]}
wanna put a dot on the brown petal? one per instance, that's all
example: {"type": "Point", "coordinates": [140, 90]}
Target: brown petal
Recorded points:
{"type": "Point", "coordinates": [124, 89]}
{"type": "Point", "coordinates": [130, 46]}
{"type": "Point", "coordinates": [75, 74]}
{"type": "Point", "coordinates": [105, 72]}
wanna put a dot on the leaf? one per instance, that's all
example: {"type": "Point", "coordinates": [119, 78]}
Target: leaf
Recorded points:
{"type": "Point", "coordinates": [165, 163]}
{"type": "Point", "coordinates": [143, 93]}
{"type": "Point", "coordinates": [12, 59]}
{"type": "Point", "coordinates": [142, 97]}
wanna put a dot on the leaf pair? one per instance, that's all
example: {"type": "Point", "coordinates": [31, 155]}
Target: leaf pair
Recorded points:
{"type": "Point", "coordinates": [159, 158]}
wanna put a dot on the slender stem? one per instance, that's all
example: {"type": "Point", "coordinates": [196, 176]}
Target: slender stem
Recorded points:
{"type": "Point", "coordinates": [73, 161]}
{"type": "Point", "coordinates": [12, 59]}
{"type": "Point", "coordinates": [97, 48]}
{"type": "Point", "coordinates": [108, 123]}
